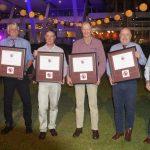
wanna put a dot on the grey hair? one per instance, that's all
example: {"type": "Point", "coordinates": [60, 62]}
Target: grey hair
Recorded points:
{"type": "Point", "coordinates": [12, 25]}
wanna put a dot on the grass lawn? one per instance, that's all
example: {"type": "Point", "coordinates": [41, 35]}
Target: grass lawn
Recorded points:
{"type": "Point", "coordinates": [18, 140]}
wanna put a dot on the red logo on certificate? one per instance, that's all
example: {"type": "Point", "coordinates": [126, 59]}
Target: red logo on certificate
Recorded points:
{"type": "Point", "coordinates": [125, 73]}
{"type": "Point", "coordinates": [83, 76]}
{"type": "Point", "coordinates": [49, 75]}
{"type": "Point", "coordinates": [10, 70]}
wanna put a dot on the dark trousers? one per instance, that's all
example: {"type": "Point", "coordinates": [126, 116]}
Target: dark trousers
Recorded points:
{"type": "Point", "coordinates": [124, 96]}
{"type": "Point", "coordinates": [149, 128]}
{"type": "Point", "coordinates": [10, 84]}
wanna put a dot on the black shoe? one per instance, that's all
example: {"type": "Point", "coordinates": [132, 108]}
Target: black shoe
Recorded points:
{"type": "Point", "coordinates": [42, 135]}
{"type": "Point", "coordinates": [53, 132]}
{"type": "Point", "coordinates": [6, 130]}
{"type": "Point", "coordinates": [77, 132]}
{"type": "Point", "coordinates": [29, 130]}
{"type": "Point", "coordinates": [95, 134]}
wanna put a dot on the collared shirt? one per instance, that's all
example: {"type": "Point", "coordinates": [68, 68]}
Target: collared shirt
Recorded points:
{"type": "Point", "coordinates": [21, 43]}
{"type": "Point", "coordinates": [147, 70]}
{"type": "Point", "coordinates": [55, 49]}
{"type": "Point", "coordinates": [142, 60]}
{"type": "Point", "coordinates": [95, 46]}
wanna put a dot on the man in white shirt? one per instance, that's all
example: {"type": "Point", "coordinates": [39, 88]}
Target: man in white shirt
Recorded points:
{"type": "Point", "coordinates": [49, 92]}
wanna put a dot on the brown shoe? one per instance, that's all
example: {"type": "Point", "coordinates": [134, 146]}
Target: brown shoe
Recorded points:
{"type": "Point", "coordinates": [42, 135]}
{"type": "Point", "coordinates": [53, 132]}
{"type": "Point", "coordinates": [117, 135]}
{"type": "Point", "coordinates": [128, 134]}
{"type": "Point", "coordinates": [95, 134]}
{"type": "Point", "coordinates": [77, 132]}
{"type": "Point", "coordinates": [147, 140]}
{"type": "Point", "coordinates": [6, 130]}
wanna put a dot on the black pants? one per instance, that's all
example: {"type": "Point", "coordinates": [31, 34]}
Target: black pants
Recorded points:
{"type": "Point", "coordinates": [149, 128]}
{"type": "Point", "coordinates": [10, 84]}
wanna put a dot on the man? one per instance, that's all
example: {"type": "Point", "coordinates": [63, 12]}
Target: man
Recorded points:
{"type": "Point", "coordinates": [147, 78]}
{"type": "Point", "coordinates": [49, 92]}
{"type": "Point", "coordinates": [10, 84]}
{"type": "Point", "coordinates": [86, 45]}
{"type": "Point", "coordinates": [124, 93]}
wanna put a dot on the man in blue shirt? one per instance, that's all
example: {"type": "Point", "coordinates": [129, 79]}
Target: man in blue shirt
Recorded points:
{"type": "Point", "coordinates": [10, 84]}
{"type": "Point", "coordinates": [124, 93]}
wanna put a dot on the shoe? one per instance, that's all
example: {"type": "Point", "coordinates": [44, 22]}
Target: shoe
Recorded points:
{"type": "Point", "coordinates": [117, 135]}
{"type": "Point", "coordinates": [53, 132]}
{"type": "Point", "coordinates": [29, 130]}
{"type": "Point", "coordinates": [6, 130]}
{"type": "Point", "coordinates": [42, 135]}
{"type": "Point", "coordinates": [95, 134]}
{"type": "Point", "coordinates": [147, 140]}
{"type": "Point", "coordinates": [128, 134]}
{"type": "Point", "coordinates": [77, 132]}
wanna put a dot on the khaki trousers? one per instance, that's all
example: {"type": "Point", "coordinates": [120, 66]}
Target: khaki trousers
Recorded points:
{"type": "Point", "coordinates": [48, 94]}
{"type": "Point", "coordinates": [80, 97]}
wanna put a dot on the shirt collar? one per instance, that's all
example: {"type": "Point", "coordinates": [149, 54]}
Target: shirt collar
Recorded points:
{"type": "Point", "coordinates": [89, 43]}
{"type": "Point", "coordinates": [12, 38]}
{"type": "Point", "coordinates": [126, 45]}
{"type": "Point", "coordinates": [50, 48]}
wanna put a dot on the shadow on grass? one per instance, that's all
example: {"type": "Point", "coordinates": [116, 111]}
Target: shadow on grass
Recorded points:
{"type": "Point", "coordinates": [18, 140]}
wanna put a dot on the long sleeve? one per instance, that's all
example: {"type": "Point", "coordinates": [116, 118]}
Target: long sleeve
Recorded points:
{"type": "Point", "coordinates": [29, 56]}
{"type": "Point", "coordinates": [73, 51]}
{"type": "Point", "coordinates": [101, 60]}
{"type": "Point", "coordinates": [108, 71]}
{"type": "Point", "coordinates": [147, 70]}
{"type": "Point", "coordinates": [65, 67]}
{"type": "Point", "coordinates": [142, 59]}
{"type": "Point", "coordinates": [74, 48]}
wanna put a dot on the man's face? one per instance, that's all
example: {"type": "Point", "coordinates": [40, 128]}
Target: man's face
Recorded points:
{"type": "Point", "coordinates": [13, 32]}
{"type": "Point", "coordinates": [50, 38]}
{"type": "Point", "coordinates": [86, 30]}
{"type": "Point", "coordinates": [125, 36]}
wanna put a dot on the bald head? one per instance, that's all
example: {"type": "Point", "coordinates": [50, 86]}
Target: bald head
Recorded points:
{"type": "Point", "coordinates": [125, 36]}
{"type": "Point", "coordinates": [125, 30]}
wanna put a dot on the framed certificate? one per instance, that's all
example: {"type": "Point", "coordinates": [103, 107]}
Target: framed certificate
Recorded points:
{"type": "Point", "coordinates": [83, 68]}
{"type": "Point", "coordinates": [124, 64]}
{"type": "Point", "coordinates": [12, 62]}
{"type": "Point", "coordinates": [49, 67]}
